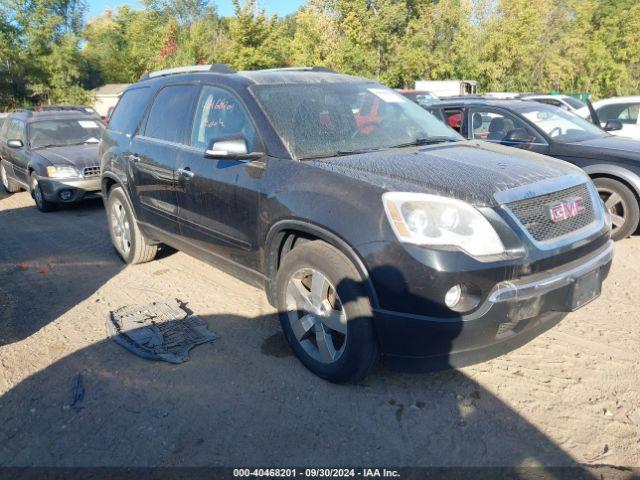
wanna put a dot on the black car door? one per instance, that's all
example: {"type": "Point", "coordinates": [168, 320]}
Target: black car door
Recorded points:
{"type": "Point", "coordinates": [498, 126]}
{"type": "Point", "coordinates": [154, 151]}
{"type": "Point", "coordinates": [219, 199]}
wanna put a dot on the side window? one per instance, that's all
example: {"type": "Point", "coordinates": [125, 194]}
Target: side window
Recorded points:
{"type": "Point", "coordinates": [453, 117]}
{"type": "Point", "coordinates": [219, 115]}
{"type": "Point", "coordinates": [436, 113]}
{"type": "Point", "coordinates": [494, 126]}
{"type": "Point", "coordinates": [170, 116]}
{"type": "Point", "coordinates": [16, 130]}
{"type": "Point", "coordinates": [5, 128]}
{"type": "Point", "coordinates": [129, 110]}
{"type": "Point", "coordinates": [625, 112]}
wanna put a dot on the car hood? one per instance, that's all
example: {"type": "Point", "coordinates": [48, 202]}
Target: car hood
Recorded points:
{"type": "Point", "coordinates": [611, 145]}
{"type": "Point", "coordinates": [79, 156]}
{"type": "Point", "coordinates": [471, 171]}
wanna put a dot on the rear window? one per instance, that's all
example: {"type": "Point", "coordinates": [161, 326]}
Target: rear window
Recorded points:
{"type": "Point", "coordinates": [129, 111]}
{"type": "Point", "coordinates": [574, 102]}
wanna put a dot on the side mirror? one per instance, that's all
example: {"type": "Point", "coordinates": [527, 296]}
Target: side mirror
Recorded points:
{"type": "Point", "coordinates": [518, 135]}
{"type": "Point", "coordinates": [231, 148]}
{"type": "Point", "coordinates": [15, 143]}
{"type": "Point", "coordinates": [613, 125]}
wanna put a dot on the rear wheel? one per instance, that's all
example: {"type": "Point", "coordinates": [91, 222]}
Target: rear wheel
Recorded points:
{"type": "Point", "coordinates": [36, 192]}
{"type": "Point", "coordinates": [126, 236]}
{"type": "Point", "coordinates": [9, 185]}
{"type": "Point", "coordinates": [622, 205]}
{"type": "Point", "coordinates": [325, 313]}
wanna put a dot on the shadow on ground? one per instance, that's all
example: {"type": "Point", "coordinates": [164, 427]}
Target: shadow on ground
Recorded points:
{"type": "Point", "coordinates": [248, 401]}
{"type": "Point", "coordinates": [39, 283]}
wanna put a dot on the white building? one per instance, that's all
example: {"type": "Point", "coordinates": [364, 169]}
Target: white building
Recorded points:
{"type": "Point", "coordinates": [107, 96]}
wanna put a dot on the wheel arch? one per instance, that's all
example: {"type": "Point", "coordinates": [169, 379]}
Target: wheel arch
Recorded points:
{"type": "Point", "coordinates": [615, 172]}
{"type": "Point", "coordinates": [285, 234]}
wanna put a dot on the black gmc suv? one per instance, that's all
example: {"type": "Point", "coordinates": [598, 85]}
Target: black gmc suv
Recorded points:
{"type": "Point", "coordinates": [378, 234]}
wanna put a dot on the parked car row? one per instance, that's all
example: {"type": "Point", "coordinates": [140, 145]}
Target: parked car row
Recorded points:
{"type": "Point", "coordinates": [376, 230]}
{"type": "Point", "coordinates": [612, 162]}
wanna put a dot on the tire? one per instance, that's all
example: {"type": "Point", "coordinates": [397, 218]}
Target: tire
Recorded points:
{"type": "Point", "coordinates": [9, 185]}
{"type": "Point", "coordinates": [128, 241]}
{"type": "Point", "coordinates": [346, 353]}
{"type": "Point", "coordinates": [622, 204]}
{"type": "Point", "coordinates": [36, 192]}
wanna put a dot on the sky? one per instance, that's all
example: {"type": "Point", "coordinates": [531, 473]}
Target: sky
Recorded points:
{"type": "Point", "coordinates": [280, 7]}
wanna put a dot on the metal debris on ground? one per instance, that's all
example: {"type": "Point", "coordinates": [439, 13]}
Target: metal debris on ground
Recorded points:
{"type": "Point", "coordinates": [159, 331]}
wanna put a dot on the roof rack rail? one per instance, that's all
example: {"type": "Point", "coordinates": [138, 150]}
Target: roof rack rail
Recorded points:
{"type": "Point", "coordinates": [302, 69]}
{"type": "Point", "coordinates": [214, 68]}
{"type": "Point", "coordinates": [55, 108]}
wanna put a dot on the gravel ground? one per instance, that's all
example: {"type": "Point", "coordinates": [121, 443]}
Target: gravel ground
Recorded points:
{"type": "Point", "coordinates": [571, 395]}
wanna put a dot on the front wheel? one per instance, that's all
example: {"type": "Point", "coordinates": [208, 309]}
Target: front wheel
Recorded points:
{"type": "Point", "coordinates": [622, 205]}
{"type": "Point", "coordinates": [42, 204]}
{"type": "Point", "coordinates": [325, 313]}
{"type": "Point", "coordinates": [126, 236]}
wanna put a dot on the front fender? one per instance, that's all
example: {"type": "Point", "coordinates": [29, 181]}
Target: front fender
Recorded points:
{"type": "Point", "coordinates": [276, 236]}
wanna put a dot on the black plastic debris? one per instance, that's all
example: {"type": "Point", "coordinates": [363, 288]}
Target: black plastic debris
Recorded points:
{"type": "Point", "coordinates": [159, 331]}
{"type": "Point", "coordinates": [77, 395]}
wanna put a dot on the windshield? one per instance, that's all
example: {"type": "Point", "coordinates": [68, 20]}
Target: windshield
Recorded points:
{"type": "Point", "coordinates": [562, 126]}
{"type": "Point", "coordinates": [323, 120]}
{"type": "Point", "coordinates": [60, 133]}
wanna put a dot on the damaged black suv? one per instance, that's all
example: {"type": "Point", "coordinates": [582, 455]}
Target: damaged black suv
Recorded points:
{"type": "Point", "coordinates": [374, 231]}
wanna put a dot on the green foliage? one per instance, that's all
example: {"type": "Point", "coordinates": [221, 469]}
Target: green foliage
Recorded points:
{"type": "Point", "coordinates": [49, 54]}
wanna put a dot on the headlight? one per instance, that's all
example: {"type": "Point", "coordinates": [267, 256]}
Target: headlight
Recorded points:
{"type": "Point", "coordinates": [62, 171]}
{"type": "Point", "coordinates": [424, 219]}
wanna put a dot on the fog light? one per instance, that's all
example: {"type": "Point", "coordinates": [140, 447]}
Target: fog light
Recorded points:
{"type": "Point", "coordinates": [65, 195]}
{"type": "Point", "coordinates": [453, 296]}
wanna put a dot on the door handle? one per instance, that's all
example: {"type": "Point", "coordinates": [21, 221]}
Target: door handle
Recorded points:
{"type": "Point", "coordinates": [186, 173]}
{"type": "Point", "coordinates": [134, 158]}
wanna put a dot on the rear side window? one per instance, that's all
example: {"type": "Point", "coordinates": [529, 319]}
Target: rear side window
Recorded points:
{"type": "Point", "coordinates": [171, 114]}
{"type": "Point", "coordinates": [129, 111]}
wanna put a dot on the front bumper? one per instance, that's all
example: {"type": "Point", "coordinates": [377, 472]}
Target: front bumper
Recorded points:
{"type": "Point", "coordinates": [79, 189]}
{"type": "Point", "coordinates": [513, 313]}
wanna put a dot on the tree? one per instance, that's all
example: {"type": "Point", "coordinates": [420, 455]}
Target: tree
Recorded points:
{"type": "Point", "coordinates": [254, 38]}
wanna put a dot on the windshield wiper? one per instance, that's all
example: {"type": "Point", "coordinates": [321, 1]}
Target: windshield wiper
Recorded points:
{"type": "Point", "coordinates": [46, 146]}
{"type": "Point", "coordinates": [415, 143]}
{"type": "Point", "coordinates": [342, 153]}
{"type": "Point", "coordinates": [426, 141]}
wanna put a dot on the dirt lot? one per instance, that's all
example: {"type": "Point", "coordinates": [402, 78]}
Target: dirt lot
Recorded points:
{"type": "Point", "coordinates": [571, 395]}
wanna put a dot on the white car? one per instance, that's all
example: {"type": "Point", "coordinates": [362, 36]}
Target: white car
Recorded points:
{"type": "Point", "coordinates": [563, 101]}
{"type": "Point", "coordinates": [623, 109]}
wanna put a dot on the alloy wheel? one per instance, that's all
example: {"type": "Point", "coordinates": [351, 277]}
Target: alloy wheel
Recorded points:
{"type": "Point", "coordinates": [121, 228]}
{"type": "Point", "coordinates": [316, 315]}
{"type": "Point", "coordinates": [616, 205]}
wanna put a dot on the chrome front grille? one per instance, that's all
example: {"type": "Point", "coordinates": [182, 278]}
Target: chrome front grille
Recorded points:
{"type": "Point", "coordinates": [90, 172]}
{"type": "Point", "coordinates": [534, 213]}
